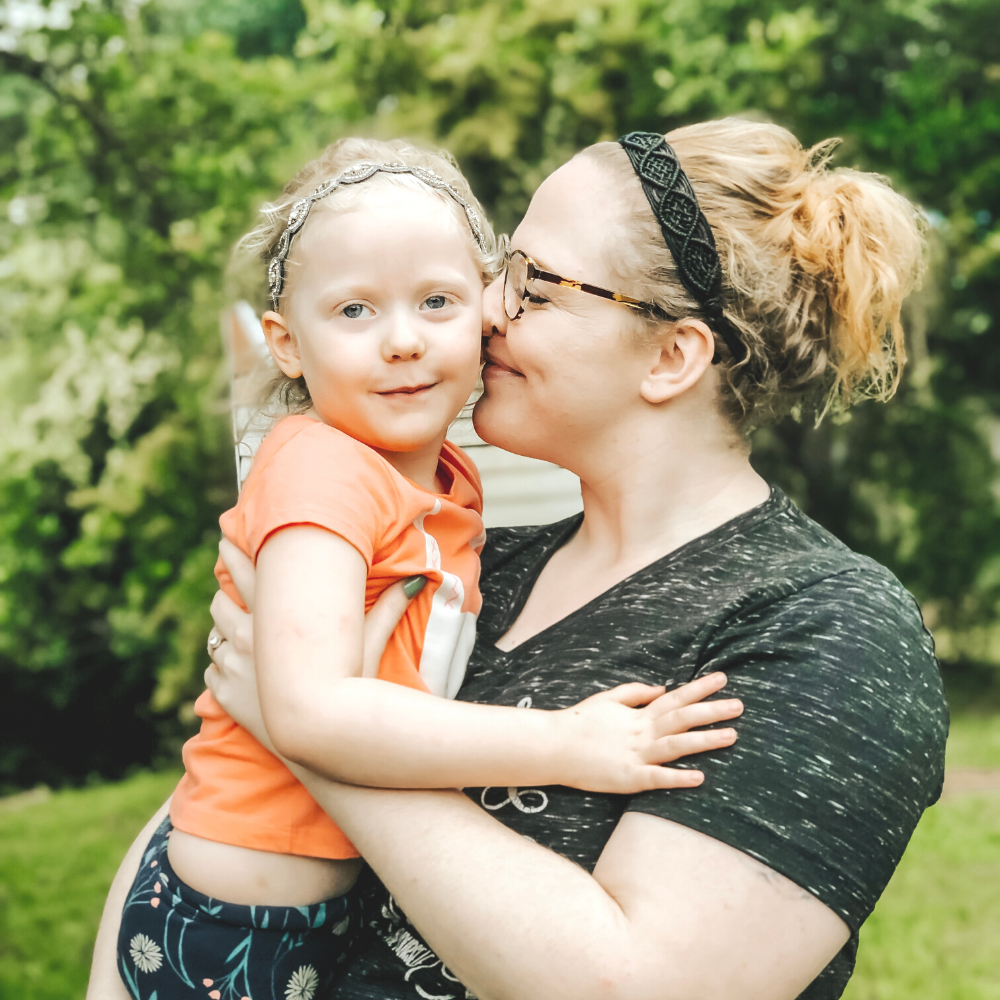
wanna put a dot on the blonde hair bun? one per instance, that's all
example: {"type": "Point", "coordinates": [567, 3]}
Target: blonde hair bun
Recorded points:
{"type": "Point", "coordinates": [816, 263]}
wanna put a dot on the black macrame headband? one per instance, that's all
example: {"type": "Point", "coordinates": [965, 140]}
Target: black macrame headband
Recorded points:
{"type": "Point", "coordinates": [685, 229]}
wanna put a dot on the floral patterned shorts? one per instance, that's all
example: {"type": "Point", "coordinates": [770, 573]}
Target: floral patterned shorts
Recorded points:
{"type": "Point", "coordinates": [177, 943]}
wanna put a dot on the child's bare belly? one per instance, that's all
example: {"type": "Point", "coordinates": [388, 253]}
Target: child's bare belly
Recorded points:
{"type": "Point", "coordinates": [257, 878]}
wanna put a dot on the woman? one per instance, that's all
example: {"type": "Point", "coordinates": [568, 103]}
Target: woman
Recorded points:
{"type": "Point", "coordinates": [789, 277]}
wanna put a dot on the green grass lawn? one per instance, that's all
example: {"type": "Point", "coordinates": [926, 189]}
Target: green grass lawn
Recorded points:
{"type": "Point", "coordinates": [58, 856]}
{"type": "Point", "coordinates": [933, 936]}
{"type": "Point", "coordinates": [974, 741]}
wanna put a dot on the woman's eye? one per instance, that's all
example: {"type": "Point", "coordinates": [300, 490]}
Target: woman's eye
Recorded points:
{"type": "Point", "coordinates": [356, 311]}
{"type": "Point", "coordinates": [537, 300]}
{"type": "Point", "coordinates": [435, 302]}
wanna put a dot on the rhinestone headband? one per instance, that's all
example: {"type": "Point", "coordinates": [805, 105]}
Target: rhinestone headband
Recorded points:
{"type": "Point", "coordinates": [685, 229]}
{"type": "Point", "coordinates": [355, 175]}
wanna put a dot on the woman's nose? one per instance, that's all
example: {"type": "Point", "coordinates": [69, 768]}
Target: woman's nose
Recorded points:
{"type": "Point", "coordinates": [494, 317]}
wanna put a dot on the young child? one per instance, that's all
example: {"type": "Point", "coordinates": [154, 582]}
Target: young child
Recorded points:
{"type": "Point", "coordinates": [377, 258]}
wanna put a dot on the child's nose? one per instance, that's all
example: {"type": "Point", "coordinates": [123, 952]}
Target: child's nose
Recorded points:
{"type": "Point", "coordinates": [403, 341]}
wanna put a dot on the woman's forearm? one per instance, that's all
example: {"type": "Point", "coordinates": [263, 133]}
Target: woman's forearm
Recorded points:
{"type": "Point", "coordinates": [509, 918]}
{"type": "Point", "coordinates": [669, 913]}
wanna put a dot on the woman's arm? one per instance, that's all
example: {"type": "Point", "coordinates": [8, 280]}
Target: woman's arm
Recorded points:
{"type": "Point", "coordinates": [669, 913]}
{"type": "Point", "coordinates": [105, 982]}
{"type": "Point", "coordinates": [319, 711]}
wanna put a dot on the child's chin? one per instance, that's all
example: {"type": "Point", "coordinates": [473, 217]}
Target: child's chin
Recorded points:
{"type": "Point", "coordinates": [404, 443]}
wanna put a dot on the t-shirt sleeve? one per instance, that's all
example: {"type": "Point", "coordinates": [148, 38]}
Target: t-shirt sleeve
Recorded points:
{"type": "Point", "coordinates": [840, 746]}
{"type": "Point", "coordinates": [325, 478]}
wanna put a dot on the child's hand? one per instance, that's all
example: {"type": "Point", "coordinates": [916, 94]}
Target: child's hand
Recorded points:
{"type": "Point", "coordinates": [614, 745]}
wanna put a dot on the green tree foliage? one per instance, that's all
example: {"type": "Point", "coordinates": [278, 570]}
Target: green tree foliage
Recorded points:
{"type": "Point", "coordinates": [137, 141]}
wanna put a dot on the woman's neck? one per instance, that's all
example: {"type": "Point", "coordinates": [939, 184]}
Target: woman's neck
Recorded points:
{"type": "Point", "coordinates": [654, 492]}
{"type": "Point", "coordinates": [642, 510]}
{"type": "Point", "coordinates": [647, 490]}
{"type": "Point", "coordinates": [641, 516]}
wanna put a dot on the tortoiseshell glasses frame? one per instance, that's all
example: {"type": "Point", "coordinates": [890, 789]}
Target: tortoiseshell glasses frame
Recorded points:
{"type": "Point", "coordinates": [520, 269]}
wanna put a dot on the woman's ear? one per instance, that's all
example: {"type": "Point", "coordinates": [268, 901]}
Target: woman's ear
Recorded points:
{"type": "Point", "coordinates": [282, 343]}
{"type": "Point", "coordinates": [683, 353]}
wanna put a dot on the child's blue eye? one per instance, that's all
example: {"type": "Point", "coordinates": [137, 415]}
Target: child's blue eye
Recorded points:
{"type": "Point", "coordinates": [435, 302]}
{"type": "Point", "coordinates": [355, 310]}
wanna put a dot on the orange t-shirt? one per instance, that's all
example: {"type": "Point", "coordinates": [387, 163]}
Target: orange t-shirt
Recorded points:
{"type": "Point", "coordinates": [307, 472]}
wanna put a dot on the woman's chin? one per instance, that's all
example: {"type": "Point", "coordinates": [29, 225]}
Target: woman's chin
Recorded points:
{"type": "Point", "coordinates": [485, 419]}
{"type": "Point", "coordinates": [503, 426]}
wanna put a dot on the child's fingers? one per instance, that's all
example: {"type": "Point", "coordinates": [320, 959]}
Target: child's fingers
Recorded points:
{"type": "Point", "coordinates": [240, 569]}
{"type": "Point", "coordinates": [668, 777]}
{"type": "Point", "coordinates": [703, 713]}
{"type": "Point", "coordinates": [633, 695]}
{"type": "Point", "coordinates": [682, 745]}
{"type": "Point", "coordinates": [688, 694]}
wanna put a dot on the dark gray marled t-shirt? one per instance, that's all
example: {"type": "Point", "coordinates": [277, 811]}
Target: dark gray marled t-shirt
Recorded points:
{"type": "Point", "coordinates": [841, 745]}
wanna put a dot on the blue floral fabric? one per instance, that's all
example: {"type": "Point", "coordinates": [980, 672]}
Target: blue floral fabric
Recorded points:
{"type": "Point", "coordinates": [179, 944]}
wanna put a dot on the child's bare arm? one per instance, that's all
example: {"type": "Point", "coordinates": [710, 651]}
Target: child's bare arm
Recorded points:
{"type": "Point", "coordinates": [309, 639]}
{"type": "Point", "coordinates": [308, 633]}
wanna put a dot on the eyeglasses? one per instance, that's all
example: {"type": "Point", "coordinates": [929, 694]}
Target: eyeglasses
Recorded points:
{"type": "Point", "coordinates": [521, 269]}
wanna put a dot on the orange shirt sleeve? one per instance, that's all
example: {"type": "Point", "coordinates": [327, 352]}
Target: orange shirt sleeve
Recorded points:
{"type": "Point", "coordinates": [324, 477]}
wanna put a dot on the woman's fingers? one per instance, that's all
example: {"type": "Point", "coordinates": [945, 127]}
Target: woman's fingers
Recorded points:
{"type": "Point", "coordinates": [225, 614]}
{"type": "Point", "coordinates": [383, 618]}
{"type": "Point", "coordinates": [232, 622]}
{"type": "Point", "coordinates": [670, 748]}
{"type": "Point", "coordinates": [240, 569]}
{"type": "Point", "coordinates": [704, 713]}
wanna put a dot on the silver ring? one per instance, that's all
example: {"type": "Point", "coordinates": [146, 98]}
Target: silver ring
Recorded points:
{"type": "Point", "coordinates": [214, 641]}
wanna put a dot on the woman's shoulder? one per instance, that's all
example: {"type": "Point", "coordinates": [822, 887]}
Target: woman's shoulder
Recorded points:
{"type": "Point", "coordinates": [798, 557]}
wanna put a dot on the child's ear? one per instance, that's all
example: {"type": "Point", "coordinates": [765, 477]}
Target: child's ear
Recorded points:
{"type": "Point", "coordinates": [282, 343]}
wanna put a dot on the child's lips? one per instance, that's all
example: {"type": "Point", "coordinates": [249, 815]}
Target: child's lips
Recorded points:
{"type": "Point", "coordinates": [407, 390]}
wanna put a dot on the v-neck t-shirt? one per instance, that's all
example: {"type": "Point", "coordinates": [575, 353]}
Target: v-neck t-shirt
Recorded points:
{"type": "Point", "coordinates": [841, 744]}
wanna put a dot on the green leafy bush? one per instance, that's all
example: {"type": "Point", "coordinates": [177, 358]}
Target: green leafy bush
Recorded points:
{"type": "Point", "coordinates": [137, 141]}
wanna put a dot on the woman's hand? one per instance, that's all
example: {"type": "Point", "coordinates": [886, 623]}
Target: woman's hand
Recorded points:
{"type": "Point", "coordinates": [232, 676]}
{"type": "Point", "coordinates": [618, 740]}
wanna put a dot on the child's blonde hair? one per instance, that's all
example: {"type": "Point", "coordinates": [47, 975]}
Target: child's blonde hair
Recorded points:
{"type": "Point", "coordinates": [815, 264]}
{"type": "Point", "coordinates": [263, 241]}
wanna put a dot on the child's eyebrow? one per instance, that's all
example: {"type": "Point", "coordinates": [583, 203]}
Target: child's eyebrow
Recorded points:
{"type": "Point", "coordinates": [340, 287]}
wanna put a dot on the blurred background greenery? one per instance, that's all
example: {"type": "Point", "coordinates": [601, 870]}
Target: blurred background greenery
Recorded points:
{"type": "Point", "coordinates": [137, 141]}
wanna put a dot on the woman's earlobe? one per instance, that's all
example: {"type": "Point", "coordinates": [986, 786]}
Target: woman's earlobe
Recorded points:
{"type": "Point", "coordinates": [282, 343]}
